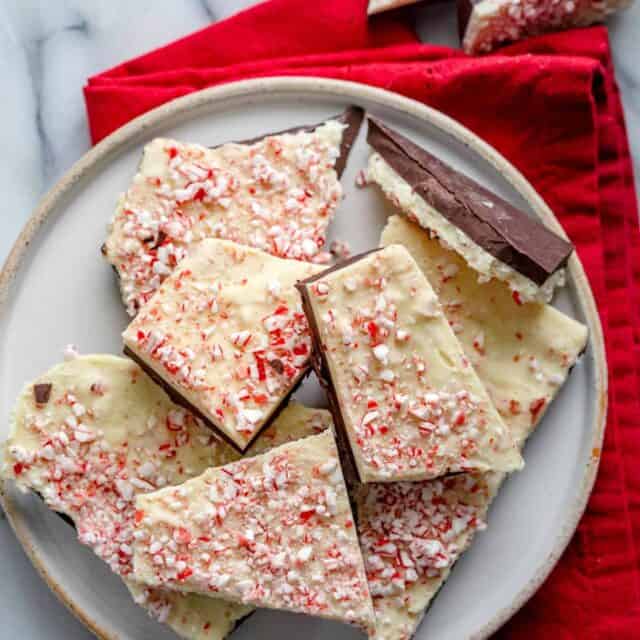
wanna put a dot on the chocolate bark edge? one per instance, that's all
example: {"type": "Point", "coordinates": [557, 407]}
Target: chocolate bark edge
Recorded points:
{"type": "Point", "coordinates": [321, 368]}
{"type": "Point", "coordinates": [505, 232]}
{"type": "Point", "coordinates": [179, 399]}
{"type": "Point", "coordinates": [352, 117]}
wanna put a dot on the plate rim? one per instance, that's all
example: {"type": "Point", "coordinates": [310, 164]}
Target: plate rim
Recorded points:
{"type": "Point", "coordinates": [351, 91]}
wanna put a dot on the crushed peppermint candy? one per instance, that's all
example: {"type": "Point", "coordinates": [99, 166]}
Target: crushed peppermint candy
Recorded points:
{"type": "Point", "coordinates": [278, 194]}
{"type": "Point", "coordinates": [411, 534]}
{"type": "Point", "coordinates": [217, 333]}
{"type": "Point", "coordinates": [340, 249]}
{"type": "Point", "coordinates": [272, 531]}
{"type": "Point", "coordinates": [412, 405]}
{"type": "Point", "coordinates": [153, 444]}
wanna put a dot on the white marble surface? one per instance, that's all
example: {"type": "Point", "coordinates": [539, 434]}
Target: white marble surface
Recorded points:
{"type": "Point", "coordinates": [47, 49]}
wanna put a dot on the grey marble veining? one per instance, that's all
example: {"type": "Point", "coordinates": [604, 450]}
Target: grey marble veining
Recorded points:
{"type": "Point", "coordinates": [47, 50]}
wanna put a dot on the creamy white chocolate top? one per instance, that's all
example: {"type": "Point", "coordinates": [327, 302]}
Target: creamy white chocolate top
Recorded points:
{"type": "Point", "coordinates": [272, 531]}
{"type": "Point", "coordinates": [398, 191]}
{"type": "Point", "coordinates": [278, 194]}
{"type": "Point", "coordinates": [92, 433]}
{"type": "Point", "coordinates": [522, 354]}
{"type": "Point", "coordinates": [412, 405]}
{"type": "Point", "coordinates": [226, 330]}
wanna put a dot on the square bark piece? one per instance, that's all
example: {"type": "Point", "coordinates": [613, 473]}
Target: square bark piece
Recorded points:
{"type": "Point", "coordinates": [226, 336]}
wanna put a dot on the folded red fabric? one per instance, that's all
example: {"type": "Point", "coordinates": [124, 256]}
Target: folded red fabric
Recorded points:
{"type": "Point", "coordinates": [550, 105]}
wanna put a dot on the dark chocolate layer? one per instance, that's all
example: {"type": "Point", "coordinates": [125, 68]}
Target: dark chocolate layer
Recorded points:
{"type": "Point", "coordinates": [183, 402]}
{"type": "Point", "coordinates": [351, 116]}
{"type": "Point", "coordinates": [504, 231]}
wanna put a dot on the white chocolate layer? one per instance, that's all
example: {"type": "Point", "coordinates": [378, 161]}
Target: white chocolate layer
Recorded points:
{"type": "Point", "coordinates": [106, 434]}
{"type": "Point", "coordinates": [272, 531]}
{"type": "Point", "coordinates": [278, 194]}
{"type": "Point", "coordinates": [412, 406]}
{"type": "Point", "coordinates": [522, 354]}
{"type": "Point", "coordinates": [412, 205]}
{"type": "Point", "coordinates": [226, 330]}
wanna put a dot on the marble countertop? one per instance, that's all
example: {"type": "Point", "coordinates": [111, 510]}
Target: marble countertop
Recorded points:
{"type": "Point", "coordinates": [47, 50]}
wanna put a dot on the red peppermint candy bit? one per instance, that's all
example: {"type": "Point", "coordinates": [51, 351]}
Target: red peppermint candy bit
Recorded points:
{"type": "Point", "coordinates": [184, 574]}
{"type": "Point", "coordinates": [182, 536]}
{"type": "Point", "coordinates": [372, 330]}
{"type": "Point", "coordinates": [305, 516]}
{"type": "Point", "coordinates": [535, 408]}
{"type": "Point", "coordinates": [514, 407]}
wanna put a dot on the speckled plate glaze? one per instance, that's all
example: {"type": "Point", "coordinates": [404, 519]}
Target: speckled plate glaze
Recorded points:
{"type": "Point", "coordinates": [55, 289]}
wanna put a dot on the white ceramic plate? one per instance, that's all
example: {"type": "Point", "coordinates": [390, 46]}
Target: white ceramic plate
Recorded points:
{"type": "Point", "coordinates": [55, 289]}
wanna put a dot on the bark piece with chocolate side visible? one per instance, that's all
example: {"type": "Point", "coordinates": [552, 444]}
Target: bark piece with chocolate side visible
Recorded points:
{"type": "Point", "coordinates": [272, 531]}
{"type": "Point", "coordinates": [404, 392]}
{"type": "Point", "coordinates": [485, 25]}
{"type": "Point", "coordinates": [522, 355]}
{"type": "Point", "coordinates": [277, 193]}
{"type": "Point", "coordinates": [494, 237]}
{"type": "Point", "coordinates": [110, 434]}
{"type": "Point", "coordinates": [226, 335]}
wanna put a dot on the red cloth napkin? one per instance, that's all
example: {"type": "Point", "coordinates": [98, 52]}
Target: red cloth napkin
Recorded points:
{"type": "Point", "coordinates": [551, 106]}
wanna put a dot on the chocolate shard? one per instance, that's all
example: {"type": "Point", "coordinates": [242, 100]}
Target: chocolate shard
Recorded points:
{"type": "Point", "coordinates": [42, 393]}
{"type": "Point", "coordinates": [502, 230]}
{"type": "Point", "coordinates": [352, 116]}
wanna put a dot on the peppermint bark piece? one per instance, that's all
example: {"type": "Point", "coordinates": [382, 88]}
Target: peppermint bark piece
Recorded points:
{"type": "Point", "coordinates": [226, 336]}
{"type": "Point", "coordinates": [107, 433]}
{"type": "Point", "coordinates": [277, 193]}
{"type": "Point", "coordinates": [523, 355]}
{"type": "Point", "coordinates": [495, 238]}
{"type": "Point", "coordinates": [404, 394]}
{"type": "Point", "coordinates": [487, 24]}
{"type": "Point", "coordinates": [411, 534]}
{"type": "Point", "coordinates": [272, 531]}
